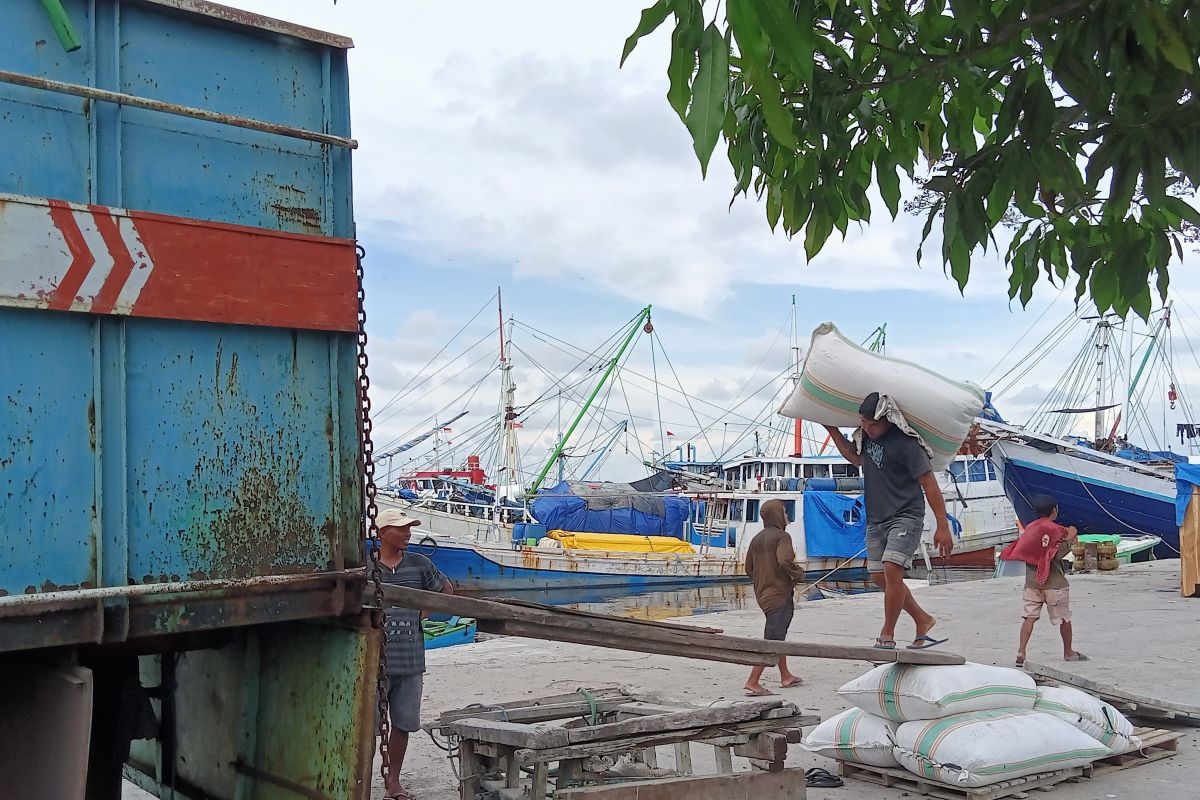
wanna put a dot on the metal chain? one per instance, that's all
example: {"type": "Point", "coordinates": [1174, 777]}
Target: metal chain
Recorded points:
{"type": "Point", "coordinates": [371, 510]}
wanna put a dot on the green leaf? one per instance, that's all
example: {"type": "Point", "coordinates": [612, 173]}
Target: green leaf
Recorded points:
{"type": "Point", "coordinates": [685, 40]}
{"type": "Point", "coordinates": [1170, 41]}
{"type": "Point", "coordinates": [707, 111]}
{"type": "Point", "coordinates": [889, 181]}
{"type": "Point", "coordinates": [652, 17]}
{"type": "Point", "coordinates": [1182, 209]}
{"type": "Point", "coordinates": [1104, 286]}
{"type": "Point", "coordinates": [793, 37]}
{"type": "Point", "coordinates": [774, 204]}
{"type": "Point", "coordinates": [820, 225]}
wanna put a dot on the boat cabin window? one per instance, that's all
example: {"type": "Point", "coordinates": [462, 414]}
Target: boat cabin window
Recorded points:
{"type": "Point", "coordinates": [974, 471]}
{"type": "Point", "coordinates": [751, 511]}
{"type": "Point", "coordinates": [816, 470]}
{"type": "Point", "coordinates": [790, 505]}
{"type": "Point", "coordinates": [735, 511]}
{"type": "Point", "coordinates": [845, 471]}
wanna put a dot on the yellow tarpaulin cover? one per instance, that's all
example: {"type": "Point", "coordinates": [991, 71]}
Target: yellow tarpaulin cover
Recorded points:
{"type": "Point", "coordinates": [620, 542]}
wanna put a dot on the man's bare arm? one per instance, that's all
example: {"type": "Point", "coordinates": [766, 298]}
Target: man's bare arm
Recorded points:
{"type": "Point", "coordinates": [843, 445]}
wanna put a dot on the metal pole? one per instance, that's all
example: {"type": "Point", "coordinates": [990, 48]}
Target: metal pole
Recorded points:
{"type": "Point", "coordinates": [612, 365]}
{"type": "Point", "coordinates": [122, 99]}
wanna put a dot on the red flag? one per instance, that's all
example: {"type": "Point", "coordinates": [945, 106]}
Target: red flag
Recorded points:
{"type": "Point", "coordinates": [670, 434]}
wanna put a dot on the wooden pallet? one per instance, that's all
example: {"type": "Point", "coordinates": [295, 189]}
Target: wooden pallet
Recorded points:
{"type": "Point", "coordinates": [1156, 744]}
{"type": "Point", "coordinates": [1017, 787]}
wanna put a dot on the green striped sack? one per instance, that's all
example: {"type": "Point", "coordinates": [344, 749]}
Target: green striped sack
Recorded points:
{"type": "Point", "coordinates": [980, 748]}
{"type": "Point", "coordinates": [1091, 715]}
{"type": "Point", "coordinates": [854, 735]}
{"type": "Point", "coordinates": [904, 692]}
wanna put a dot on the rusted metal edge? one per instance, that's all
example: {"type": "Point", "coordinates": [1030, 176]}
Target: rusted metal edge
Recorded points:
{"type": "Point", "coordinates": [149, 612]}
{"type": "Point", "coordinates": [283, 783]}
{"type": "Point", "coordinates": [120, 98]}
{"type": "Point", "coordinates": [239, 17]}
{"type": "Point", "coordinates": [77, 598]}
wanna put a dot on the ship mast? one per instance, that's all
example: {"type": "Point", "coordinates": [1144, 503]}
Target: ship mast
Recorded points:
{"type": "Point", "coordinates": [507, 481]}
{"type": "Point", "coordinates": [798, 443]}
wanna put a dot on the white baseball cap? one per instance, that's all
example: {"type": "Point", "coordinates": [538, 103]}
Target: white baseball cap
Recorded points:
{"type": "Point", "coordinates": [395, 518]}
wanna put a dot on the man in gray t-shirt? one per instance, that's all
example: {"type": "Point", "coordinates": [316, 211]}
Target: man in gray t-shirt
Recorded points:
{"type": "Point", "coordinates": [897, 479]}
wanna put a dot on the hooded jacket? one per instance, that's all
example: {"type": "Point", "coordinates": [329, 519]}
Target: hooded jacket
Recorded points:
{"type": "Point", "coordinates": [771, 559]}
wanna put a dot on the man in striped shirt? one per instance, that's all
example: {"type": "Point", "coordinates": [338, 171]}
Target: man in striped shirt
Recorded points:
{"type": "Point", "coordinates": [405, 642]}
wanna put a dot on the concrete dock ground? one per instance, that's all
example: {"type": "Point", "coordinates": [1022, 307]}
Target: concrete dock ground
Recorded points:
{"type": "Point", "coordinates": [1140, 634]}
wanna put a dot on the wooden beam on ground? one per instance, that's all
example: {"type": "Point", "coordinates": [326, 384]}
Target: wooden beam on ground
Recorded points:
{"type": "Point", "coordinates": [1183, 713]}
{"type": "Point", "coordinates": [601, 630]}
{"type": "Point", "coordinates": [637, 644]}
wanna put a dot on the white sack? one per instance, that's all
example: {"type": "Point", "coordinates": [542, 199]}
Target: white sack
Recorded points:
{"type": "Point", "coordinates": [904, 692]}
{"type": "Point", "coordinates": [837, 375]}
{"type": "Point", "coordinates": [854, 735]}
{"type": "Point", "coordinates": [984, 747]}
{"type": "Point", "coordinates": [1091, 715]}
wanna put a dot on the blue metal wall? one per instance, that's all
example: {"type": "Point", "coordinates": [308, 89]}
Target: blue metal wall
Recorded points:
{"type": "Point", "coordinates": [69, 148]}
{"type": "Point", "coordinates": [143, 451]}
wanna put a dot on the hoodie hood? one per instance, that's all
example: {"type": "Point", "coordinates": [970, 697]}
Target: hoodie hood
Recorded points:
{"type": "Point", "coordinates": [774, 514]}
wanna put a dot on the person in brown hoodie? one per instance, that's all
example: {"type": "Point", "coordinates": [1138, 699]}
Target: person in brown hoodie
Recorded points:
{"type": "Point", "coordinates": [771, 565]}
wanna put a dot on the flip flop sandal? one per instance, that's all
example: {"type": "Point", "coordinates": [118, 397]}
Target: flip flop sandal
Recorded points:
{"type": "Point", "coordinates": [885, 644]}
{"type": "Point", "coordinates": [928, 642]}
{"type": "Point", "coordinates": [1077, 657]}
{"type": "Point", "coordinates": [822, 779]}
{"type": "Point", "coordinates": [1020, 663]}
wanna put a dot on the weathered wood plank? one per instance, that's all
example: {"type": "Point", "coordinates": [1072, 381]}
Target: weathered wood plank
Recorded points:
{"type": "Point", "coordinates": [683, 758]}
{"type": "Point", "coordinates": [718, 733]}
{"type": "Point", "coordinates": [574, 612]}
{"type": "Point", "coordinates": [660, 635]}
{"type": "Point", "coordinates": [697, 718]}
{"type": "Point", "coordinates": [724, 759]}
{"type": "Point", "coordinates": [785, 785]}
{"type": "Point", "coordinates": [508, 733]}
{"type": "Point", "coordinates": [637, 644]}
{"type": "Point", "coordinates": [497, 710]}
{"type": "Point", "coordinates": [1110, 693]}
{"type": "Point", "coordinates": [766, 746]}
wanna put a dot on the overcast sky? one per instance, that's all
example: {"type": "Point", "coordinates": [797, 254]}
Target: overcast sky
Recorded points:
{"type": "Point", "coordinates": [501, 146]}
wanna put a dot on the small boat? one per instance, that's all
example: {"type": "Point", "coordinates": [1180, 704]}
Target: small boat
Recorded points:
{"type": "Point", "coordinates": [446, 633]}
{"type": "Point", "coordinates": [1129, 548]}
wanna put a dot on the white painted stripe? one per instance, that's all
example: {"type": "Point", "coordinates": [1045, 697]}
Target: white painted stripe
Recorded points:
{"type": "Point", "coordinates": [33, 255]}
{"type": "Point", "coordinates": [104, 261]}
{"type": "Point", "coordinates": [141, 266]}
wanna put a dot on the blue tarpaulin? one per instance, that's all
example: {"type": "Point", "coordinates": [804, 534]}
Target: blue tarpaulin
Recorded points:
{"type": "Point", "coordinates": [834, 525]}
{"type": "Point", "coordinates": [596, 507]}
{"type": "Point", "coordinates": [1187, 476]}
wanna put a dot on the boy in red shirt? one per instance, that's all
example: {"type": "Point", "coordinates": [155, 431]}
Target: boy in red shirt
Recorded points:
{"type": "Point", "coordinates": [1042, 546]}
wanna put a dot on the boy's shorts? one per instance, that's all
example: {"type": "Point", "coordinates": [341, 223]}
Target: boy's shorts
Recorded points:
{"type": "Point", "coordinates": [1056, 601]}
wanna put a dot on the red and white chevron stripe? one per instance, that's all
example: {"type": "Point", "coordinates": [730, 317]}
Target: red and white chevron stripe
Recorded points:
{"type": "Point", "coordinates": [62, 256]}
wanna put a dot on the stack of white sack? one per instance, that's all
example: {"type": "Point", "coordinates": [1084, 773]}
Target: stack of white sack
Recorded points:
{"type": "Point", "coordinates": [837, 374]}
{"type": "Point", "coordinates": [969, 725]}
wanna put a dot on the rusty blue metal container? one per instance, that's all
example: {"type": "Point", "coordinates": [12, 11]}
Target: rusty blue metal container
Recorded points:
{"type": "Point", "coordinates": [180, 482]}
{"type": "Point", "coordinates": [199, 426]}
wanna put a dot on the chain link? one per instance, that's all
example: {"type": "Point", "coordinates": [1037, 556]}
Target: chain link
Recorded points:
{"type": "Point", "coordinates": [371, 510]}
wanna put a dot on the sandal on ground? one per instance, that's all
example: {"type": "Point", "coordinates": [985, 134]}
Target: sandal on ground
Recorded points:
{"type": "Point", "coordinates": [926, 642]}
{"type": "Point", "coordinates": [793, 683]}
{"type": "Point", "coordinates": [820, 778]}
{"type": "Point", "coordinates": [884, 644]}
{"type": "Point", "coordinates": [1077, 656]}
{"type": "Point", "coordinates": [1020, 662]}
{"type": "Point", "coordinates": [399, 795]}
